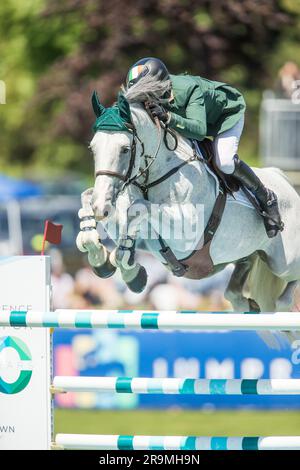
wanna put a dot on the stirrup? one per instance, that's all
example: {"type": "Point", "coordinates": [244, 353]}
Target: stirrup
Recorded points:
{"type": "Point", "coordinates": [272, 229]}
{"type": "Point", "coordinates": [276, 226]}
{"type": "Point", "coordinates": [270, 212]}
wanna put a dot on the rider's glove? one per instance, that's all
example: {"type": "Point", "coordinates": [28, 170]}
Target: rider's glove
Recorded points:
{"type": "Point", "coordinates": [158, 111]}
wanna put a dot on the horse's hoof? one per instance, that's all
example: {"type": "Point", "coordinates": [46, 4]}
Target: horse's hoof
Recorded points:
{"type": "Point", "coordinates": [138, 284]}
{"type": "Point", "coordinates": [105, 270]}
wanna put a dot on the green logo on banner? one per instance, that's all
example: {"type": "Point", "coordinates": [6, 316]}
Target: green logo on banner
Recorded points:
{"type": "Point", "coordinates": [25, 375]}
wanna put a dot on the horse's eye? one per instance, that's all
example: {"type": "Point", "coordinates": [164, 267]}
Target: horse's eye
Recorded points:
{"type": "Point", "coordinates": [125, 149]}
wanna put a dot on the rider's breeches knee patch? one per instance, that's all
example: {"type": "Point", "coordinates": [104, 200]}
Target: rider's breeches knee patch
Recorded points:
{"type": "Point", "coordinates": [226, 147]}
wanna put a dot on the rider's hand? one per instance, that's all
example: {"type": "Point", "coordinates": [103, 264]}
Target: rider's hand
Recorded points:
{"type": "Point", "coordinates": [158, 111]}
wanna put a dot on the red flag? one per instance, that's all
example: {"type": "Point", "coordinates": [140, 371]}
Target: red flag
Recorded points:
{"type": "Point", "coordinates": [52, 233]}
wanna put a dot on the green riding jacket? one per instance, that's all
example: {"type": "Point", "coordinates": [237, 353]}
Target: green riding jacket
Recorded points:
{"type": "Point", "coordinates": [203, 108]}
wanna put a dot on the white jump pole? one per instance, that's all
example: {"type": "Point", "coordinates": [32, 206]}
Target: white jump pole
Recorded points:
{"type": "Point", "coordinates": [144, 385]}
{"type": "Point", "coordinates": [152, 320]}
{"type": "Point", "coordinates": [118, 442]}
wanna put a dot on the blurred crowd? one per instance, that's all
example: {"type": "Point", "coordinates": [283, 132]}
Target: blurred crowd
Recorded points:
{"type": "Point", "coordinates": [288, 80]}
{"type": "Point", "coordinates": [84, 289]}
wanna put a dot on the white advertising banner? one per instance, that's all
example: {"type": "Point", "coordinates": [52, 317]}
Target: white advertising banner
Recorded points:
{"type": "Point", "coordinates": [25, 356]}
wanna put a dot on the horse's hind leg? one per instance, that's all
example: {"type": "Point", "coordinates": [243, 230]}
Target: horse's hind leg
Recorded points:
{"type": "Point", "coordinates": [234, 290]}
{"type": "Point", "coordinates": [286, 302]}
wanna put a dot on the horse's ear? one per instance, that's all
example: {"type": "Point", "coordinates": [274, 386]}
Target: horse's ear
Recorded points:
{"type": "Point", "coordinates": [97, 106]}
{"type": "Point", "coordinates": [124, 108]}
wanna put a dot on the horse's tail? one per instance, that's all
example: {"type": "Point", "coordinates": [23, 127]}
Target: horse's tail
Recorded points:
{"type": "Point", "coordinates": [265, 288]}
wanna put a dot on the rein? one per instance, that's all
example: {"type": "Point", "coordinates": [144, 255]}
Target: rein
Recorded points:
{"type": "Point", "coordinates": [145, 171]}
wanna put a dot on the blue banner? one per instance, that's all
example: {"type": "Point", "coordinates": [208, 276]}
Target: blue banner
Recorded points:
{"type": "Point", "coordinates": [172, 354]}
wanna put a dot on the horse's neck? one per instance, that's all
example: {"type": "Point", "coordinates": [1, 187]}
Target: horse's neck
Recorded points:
{"type": "Point", "coordinates": [166, 160]}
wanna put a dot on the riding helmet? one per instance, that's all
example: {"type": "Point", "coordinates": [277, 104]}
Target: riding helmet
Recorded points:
{"type": "Point", "coordinates": [149, 65]}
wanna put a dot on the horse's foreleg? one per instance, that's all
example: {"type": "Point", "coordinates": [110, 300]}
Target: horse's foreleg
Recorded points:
{"type": "Point", "coordinates": [98, 255]}
{"type": "Point", "coordinates": [123, 256]}
{"type": "Point", "coordinates": [88, 239]}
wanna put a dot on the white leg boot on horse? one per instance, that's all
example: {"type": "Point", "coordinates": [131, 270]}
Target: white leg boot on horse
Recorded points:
{"type": "Point", "coordinates": [133, 274]}
{"type": "Point", "coordinates": [130, 214]}
{"type": "Point", "coordinates": [88, 239]}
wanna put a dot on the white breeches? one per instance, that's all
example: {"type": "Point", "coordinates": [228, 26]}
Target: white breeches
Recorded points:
{"type": "Point", "coordinates": [226, 146]}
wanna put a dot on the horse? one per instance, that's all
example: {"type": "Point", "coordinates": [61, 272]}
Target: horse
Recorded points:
{"type": "Point", "coordinates": [142, 165]}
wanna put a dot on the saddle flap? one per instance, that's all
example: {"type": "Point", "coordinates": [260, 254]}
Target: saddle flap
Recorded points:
{"type": "Point", "coordinates": [230, 183]}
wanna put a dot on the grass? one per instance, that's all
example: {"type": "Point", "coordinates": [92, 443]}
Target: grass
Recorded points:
{"type": "Point", "coordinates": [181, 422]}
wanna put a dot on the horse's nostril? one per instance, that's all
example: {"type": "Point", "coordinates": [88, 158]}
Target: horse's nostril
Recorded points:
{"type": "Point", "coordinates": [106, 213]}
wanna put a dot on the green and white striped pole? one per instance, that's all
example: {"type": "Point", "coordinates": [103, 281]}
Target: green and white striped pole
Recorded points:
{"type": "Point", "coordinates": [144, 385]}
{"type": "Point", "coordinates": [117, 442]}
{"type": "Point", "coordinates": [152, 320]}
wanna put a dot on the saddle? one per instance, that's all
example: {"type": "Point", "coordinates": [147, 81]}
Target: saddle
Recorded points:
{"type": "Point", "coordinates": [229, 182]}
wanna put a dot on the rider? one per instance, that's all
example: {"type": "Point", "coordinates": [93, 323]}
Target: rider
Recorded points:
{"type": "Point", "coordinates": [197, 108]}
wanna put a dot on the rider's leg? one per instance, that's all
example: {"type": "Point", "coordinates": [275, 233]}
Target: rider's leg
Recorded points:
{"type": "Point", "coordinates": [266, 197]}
{"type": "Point", "coordinates": [226, 146]}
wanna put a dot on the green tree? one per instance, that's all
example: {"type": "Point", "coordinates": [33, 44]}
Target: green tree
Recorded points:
{"type": "Point", "coordinates": [61, 51]}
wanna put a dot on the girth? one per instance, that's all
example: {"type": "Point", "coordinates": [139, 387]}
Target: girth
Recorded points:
{"type": "Point", "coordinates": [199, 263]}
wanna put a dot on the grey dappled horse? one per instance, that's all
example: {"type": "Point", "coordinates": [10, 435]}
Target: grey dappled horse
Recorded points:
{"type": "Point", "coordinates": [266, 271]}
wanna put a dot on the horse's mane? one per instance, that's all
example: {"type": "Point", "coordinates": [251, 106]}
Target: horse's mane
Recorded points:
{"type": "Point", "coordinates": [147, 89]}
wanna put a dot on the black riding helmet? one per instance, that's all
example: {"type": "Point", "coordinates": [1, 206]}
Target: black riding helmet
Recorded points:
{"type": "Point", "coordinates": [149, 65]}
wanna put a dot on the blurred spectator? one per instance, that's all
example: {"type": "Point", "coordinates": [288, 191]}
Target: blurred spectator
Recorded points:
{"type": "Point", "coordinates": [62, 282]}
{"type": "Point", "coordinates": [163, 290]}
{"type": "Point", "coordinates": [209, 291]}
{"type": "Point", "coordinates": [91, 290]}
{"type": "Point", "coordinates": [173, 297]}
{"type": "Point", "coordinates": [288, 80]}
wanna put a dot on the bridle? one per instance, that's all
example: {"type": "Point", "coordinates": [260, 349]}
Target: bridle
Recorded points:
{"type": "Point", "coordinates": [127, 178]}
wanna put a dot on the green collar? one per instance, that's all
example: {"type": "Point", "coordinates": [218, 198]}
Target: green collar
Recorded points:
{"type": "Point", "coordinates": [115, 118]}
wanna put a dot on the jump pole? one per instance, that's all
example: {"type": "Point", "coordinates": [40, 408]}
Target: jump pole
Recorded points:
{"type": "Point", "coordinates": [143, 385]}
{"type": "Point", "coordinates": [172, 320]}
{"type": "Point", "coordinates": [118, 442]}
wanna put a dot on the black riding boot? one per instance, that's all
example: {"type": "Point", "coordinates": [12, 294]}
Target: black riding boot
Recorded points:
{"type": "Point", "coordinates": [266, 198]}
